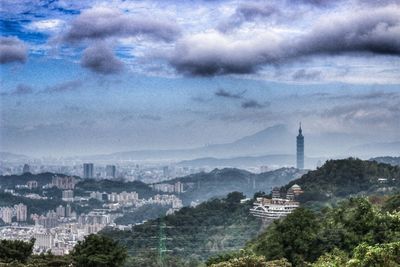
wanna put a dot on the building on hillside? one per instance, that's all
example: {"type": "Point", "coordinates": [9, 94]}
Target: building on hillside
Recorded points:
{"type": "Point", "coordinates": [63, 182]}
{"type": "Point", "coordinates": [276, 193]}
{"type": "Point", "coordinates": [32, 184]}
{"type": "Point", "coordinates": [60, 210]}
{"type": "Point", "coordinates": [300, 149]}
{"type": "Point", "coordinates": [6, 214]}
{"type": "Point", "coordinates": [21, 212]}
{"type": "Point", "coordinates": [68, 195]}
{"type": "Point", "coordinates": [276, 207]}
{"type": "Point", "coordinates": [296, 190]}
{"type": "Point", "coordinates": [271, 209]}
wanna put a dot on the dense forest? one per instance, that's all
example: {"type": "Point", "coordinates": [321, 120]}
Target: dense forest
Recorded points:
{"type": "Point", "coordinates": [347, 177]}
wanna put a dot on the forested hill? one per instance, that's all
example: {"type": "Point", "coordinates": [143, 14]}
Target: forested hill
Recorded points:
{"type": "Point", "coordinates": [214, 226]}
{"type": "Point", "coordinates": [220, 182]}
{"type": "Point", "coordinates": [342, 178]}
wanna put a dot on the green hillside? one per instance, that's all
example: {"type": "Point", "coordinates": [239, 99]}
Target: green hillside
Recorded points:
{"type": "Point", "coordinates": [215, 226]}
{"type": "Point", "coordinates": [346, 177]}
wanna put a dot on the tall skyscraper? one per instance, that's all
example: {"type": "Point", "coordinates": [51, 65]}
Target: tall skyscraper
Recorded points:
{"type": "Point", "coordinates": [87, 170]}
{"type": "Point", "coordinates": [26, 168]}
{"type": "Point", "coordinates": [110, 171]}
{"type": "Point", "coordinates": [300, 149]}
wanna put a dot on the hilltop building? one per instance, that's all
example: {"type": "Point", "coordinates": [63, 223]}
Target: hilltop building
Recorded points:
{"type": "Point", "coordinates": [276, 207]}
{"type": "Point", "coordinates": [300, 149]}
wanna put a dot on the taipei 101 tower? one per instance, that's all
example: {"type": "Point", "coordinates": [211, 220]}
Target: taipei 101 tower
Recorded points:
{"type": "Point", "coordinates": [300, 149]}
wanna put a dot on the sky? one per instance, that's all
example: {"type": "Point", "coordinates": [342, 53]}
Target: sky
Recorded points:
{"type": "Point", "coordinates": [94, 77]}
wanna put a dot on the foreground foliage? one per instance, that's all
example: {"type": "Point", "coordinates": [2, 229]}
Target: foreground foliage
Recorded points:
{"type": "Point", "coordinates": [98, 251]}
{"type": "Point", "coordinates": [356, 233]}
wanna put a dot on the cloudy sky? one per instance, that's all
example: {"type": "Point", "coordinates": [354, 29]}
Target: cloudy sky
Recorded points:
{"type": "Point", "coordinates": [85, 77]}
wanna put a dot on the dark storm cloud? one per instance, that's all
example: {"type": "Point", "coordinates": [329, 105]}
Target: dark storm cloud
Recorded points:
{"type": "Point", "coordinates": [12, 50]}
{"type": "Point", "coordinates": [373, 32]}
{"type": "Point", "coordinates": [99, 58]}
{"type": "Point", "coordinates": [224, 93]}
{"type": "Point", "coordinates": [370, 32]}
{"type": "Point", "coordinates": [150, 117]}
{"type": "Point", "coordinates": [374, 95]}
{"type": "Point", "coordinates": [248, 104]}
{"type": "Point", "coordinates": [102, 23]}
{"type": "Point", "coordinates": [248, 12]}
{"type": "Point", "coordinates": [64, 87]}
{"type": "Point", "coordinates": [306, 75]}
{"type": "Point", "coordinates": [23, 89]}
{"type": "Point", "coordinates": [313, 2]}
{"type": "Point", "coordinates": [20, 90]}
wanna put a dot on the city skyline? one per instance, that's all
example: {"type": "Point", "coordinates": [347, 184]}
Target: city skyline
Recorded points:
{"type": "Point", "coordinates": [177, 74]}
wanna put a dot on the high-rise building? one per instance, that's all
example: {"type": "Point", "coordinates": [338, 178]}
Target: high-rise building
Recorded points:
{"type": "Point", "coordinates": [111, 171]}
{"type": "Point", "coordinates": [68, 210]}
{"type": "Point", "coordinates": [26, 168]}
{"type": "Point", "coordinates": [88, 170]}
{"type": "Point", "coordinates": [60, 210]}
{"type": "Point", "coordinates": [32, 184]}
{"type": "Point", "coordinates": [300, 149]}
{"type": "Point", "coordinates": [67, 182]}
{"type": "Point", "coordinates": [68, 195]}
{"type": "Point", "coordinates": [7, 214]}
{"type": "Point", "coordinates": [21, 211]}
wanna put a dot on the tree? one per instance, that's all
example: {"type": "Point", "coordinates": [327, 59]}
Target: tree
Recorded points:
{"type": "Point", "coordinates": [381, 255]}
{"type": "Point", "coordinates": [15, 250]}
{"type": "Point", "coordinates": [235, 197]}
{"type": "Point", "coordinates": [98, 251]}
{"type": "Point", "coordinates": [294, 238]}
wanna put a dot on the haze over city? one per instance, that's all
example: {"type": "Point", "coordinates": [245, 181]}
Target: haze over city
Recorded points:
{"type": "Point", "coordinates": [98, 77]}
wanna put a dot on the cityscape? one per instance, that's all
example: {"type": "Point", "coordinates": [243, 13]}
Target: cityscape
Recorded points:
{"type": "Point", "coordinates": [199, 133]}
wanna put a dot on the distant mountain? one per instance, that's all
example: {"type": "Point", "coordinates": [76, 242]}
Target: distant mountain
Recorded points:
{"type": "Point", "coordinates": [376, 149]}
{"type": "Point", "coordinates": [272, 140]}
{"type": "Point", "coordinates": [395, 161]}
{"type": "Point", "coordinates": [277, 142]}
{"type": "Point", "coordinates": [7, 156]}
{"type": "Point", "coordinates": [243, 162]}
{"type": "Point", "coordinates": [219, 182]}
